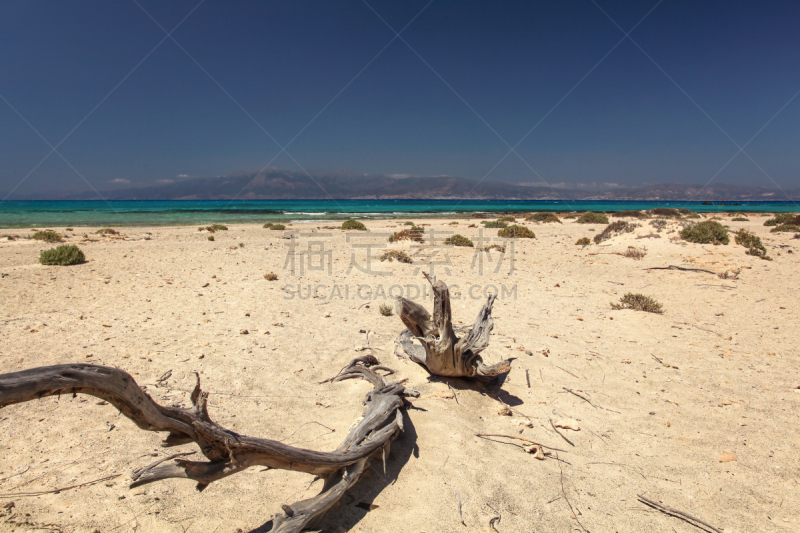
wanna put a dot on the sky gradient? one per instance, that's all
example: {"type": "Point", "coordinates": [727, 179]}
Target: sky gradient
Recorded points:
{"type": "Point", "coordinates": [463, 84]}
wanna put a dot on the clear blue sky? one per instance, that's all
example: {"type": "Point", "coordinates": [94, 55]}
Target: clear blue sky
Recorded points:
{"type": "Point", "coordinates": [465, 80]}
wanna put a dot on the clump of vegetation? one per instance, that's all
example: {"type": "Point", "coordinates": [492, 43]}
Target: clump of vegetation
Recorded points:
{"type": "Point", "coordinates": [516, 232]}
{"type": "Point", "coordinates": [779, 219]}
{"type": "Point", "coordinates": [408, 223]}
{"type": "Point", "coordinates": [407, 235]}
{"type": "Point", "coordinates": [268, 225]}
{"type": "Point", "coordinates": [649, 236]}
{"type": "Point", "coordinates": [277, 227]}
{"type": "Point", "coordinates": [270, 276]}
{"type": "Point", "coordinates": [629, 213]}
{"type": "Point", "coordinates": [571, 215]}
{"type": "Point", "coordinates": [241, 245]}
{"type": "Point", "coordinates": [454, 223]}
{"type": "Point", "coordinates": [385, 309]}
{"type": "Point", "coordinates": [499, 247]}
{"type": "Point", "coordinates": [740, 219]}
{"type": "Point", "coordinates": [507, 218]}
{"type": "Point", "coordinates": [583, 241]}
{"type": "Point", "coordinates": [659, 224]}
{"type": "Point", "coordinates": [353, 224]}
{"type": "Point", "coordinates": [107, 231]}
{"type": "Point", "coordinates": [707, 232]}
{"type": "Point", "coordinates": [692, 215]}
{"type": "Point", "coordinates": [459, 240]}
{"type": "Point", "coordinates": [68, 229]}
{"type": "Point", "coordinates": [543, 218]}
{"type": "Point", "coordinates": [46, 235]}
{"type": "Point", "coordinates": [615, 228]}
{"type": "Point", "coordinates": [592, 218]}
{"type": "Point", "coordinates": [752, 243]}
{"type": "Point", "coordinates": [669, 212]}
{"type": "Point", "coordinates": [785, 228]}
{"type": "Point", "coordinates": [489, 224]}
{"type": "Point", "coordinates": [730, 274]}
{"type": "Point", "coordinates": [636, 253]}
{"type": "Point", "coordinates": [638, 302]}
{"type": "Point", "coordinates": [398, 255]}
{"type": "Point", "coordinates": [210, 237]}
{"type": "Point", "coordinates": [63, 255]}
{"type": "Point", "coordinates": [215, 227]}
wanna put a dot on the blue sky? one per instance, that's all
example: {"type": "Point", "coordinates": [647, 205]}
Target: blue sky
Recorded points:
{"type": "Point", "coordinates": [464, 83]}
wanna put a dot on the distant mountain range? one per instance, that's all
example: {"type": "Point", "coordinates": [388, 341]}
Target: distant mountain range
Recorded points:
{"type": "Point", "coordinates": [277, 184]}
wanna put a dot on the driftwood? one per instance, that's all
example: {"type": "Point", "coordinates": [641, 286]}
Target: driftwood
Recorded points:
{"type": "Point", "coordinates": [226, 451]}
{"type": "Point", "coordinates": [441, 352]}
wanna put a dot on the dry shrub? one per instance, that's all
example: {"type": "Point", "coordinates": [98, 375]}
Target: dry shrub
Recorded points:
{"type": "Point", "coordinates": [649, 236]}
{"type": "Point", "coordinates": [638, 302]}
{"type": "Point", "coordinates": [407, 235]}
{"type": "Point", "coordinates": [592, 218]}
{"type": "Point", "coordinates": [459, 240]}
{"type": "Point", "coordinates": [543, 218]}
{"type": "Point", "coordinates": [583, 241]}
{"type": "Point", "coordinates": [516, 232]}
{"type": "Point", "coordinates": [629, 213]}
{"type": "Point", "coordinates": [732, 274]}
{"type": "Point", "coordinates": [270, 276]}
{"type": "Point", "coordinates": [398, 255]}
{"type": "Point", "coordinates": [636, 253]}
{"type": "Point", "coordinates": [615, 228]}
{"type": "Point", "coordinates": [385, 309]}
{"type": "Point", "coordinates": [659, 224]}
{"type": "Point", "coordinates": [499, 247]}
{"type": "Point", "coordinates": [107, 231]}
{"type": "Point", "coordinates": [46, 235]}
{"type": "Point", "coordinates": [669, 212]}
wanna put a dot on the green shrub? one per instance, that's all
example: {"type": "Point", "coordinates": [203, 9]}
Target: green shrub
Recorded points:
{"type": "Point", "coordinates": [210, 237]}
{"type": "Point", "coordinates": [215, 227]}
{"type": "Point", "coordinates": [385, 309]}
{"type": "Point", "coordinates": [629, 213]}
{"type": "Point", "coordinates": [399, 255]}
{"type": "Point", "coordinates": [617, 227]}
{"type": "Point", "coordinates": [268, 225]}
{"type": "Point", "coordinates": [707, 232]}
{"type": "Point", "coordinates": [489, 224]}
{"type": "Point", "coordinates": [507, 218]}
{"type": "Point", "coordinates": [779, 219]}
{"type": "Point", "coordinates": [277, 227]}
{"type": "Point", "coordinates": [46, 235]}
{"type": "Point", "coordinates": [353, 224]}
{"type": "Point", "coordinates": [68, 229]}
{"type": "Point", "coordinates": [62, 255]}
{"type": "Point", "coordinates": [785, 228]}
{"type": "Point", "coordinates": [459, 240]}
{"type": "Point", "coordinates": [408, 223]}
{"type": "Point", "coordinates": [592, 218]}
{"type": "Point", "coordinates": [516, 232]}
{"type": "Point", "coordinates": [543, 218]}
{"type": "Point", "coordinates": [583, 241]}
{"type": "Point", "coordinates": [669, 212]}
{"type": "Point", "coordinates": [571, 215]}
{"type": "Point", "coordinates": [638, 302]}
{"type": "Point", "coordinates": [107, 231]}
{"type": "Point", "coordinates": [692, 215]}
{"type": "Point", "coordinates": [740, 219]}
{"type": "Point", "coordinates": [407, 235]}
{"type": "Point", "coordinates": [752, 243]}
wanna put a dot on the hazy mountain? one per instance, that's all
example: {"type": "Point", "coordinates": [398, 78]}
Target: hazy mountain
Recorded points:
{"type": "Point", "coordinates": [276, 184]}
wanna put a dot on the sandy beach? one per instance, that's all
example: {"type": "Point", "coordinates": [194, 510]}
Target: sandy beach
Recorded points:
{"type": "Point", "coordinates": [696, 408]}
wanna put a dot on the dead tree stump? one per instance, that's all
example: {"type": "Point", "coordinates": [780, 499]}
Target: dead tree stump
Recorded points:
{"type": "Point", "coordinates": [441, 352]}
{"type": "Point", "coordinates": [228, 452]}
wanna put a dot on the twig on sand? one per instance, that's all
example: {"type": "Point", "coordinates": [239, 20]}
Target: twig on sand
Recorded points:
{"type": "Point", "coordinates": [528, 378]}
{"type": "Point", "coordinates": [564, 494]}
{"type": "Point", "coordinates": [56, 491]}
{"type": "Point", "coordinates": [584, 398]}
{"type": "Point", "coordinates": [673, 267]}
{"type": "Point", "coordinates": [460, 516]}
{"type": "Point", "coordinates": [689, 519]}
{"type": "Point", "coordinates": [559, 433]}
{"type": "Point", "coordinates": [484, 435]}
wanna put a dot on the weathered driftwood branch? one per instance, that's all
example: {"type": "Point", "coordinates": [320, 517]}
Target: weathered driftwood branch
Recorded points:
{"type": "Point", "coordinates": [228, 452]}
{"type": "Point", "coordinates": [441, 352]}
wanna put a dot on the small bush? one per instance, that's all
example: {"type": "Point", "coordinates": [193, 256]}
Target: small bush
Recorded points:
{"type": "Point", "coordinates": [507, 218]}
{"type": "Point", "coordinates": [459, 240]}
{"type": "Point", "coordinates": [583, 241]}
{"type": "Point", "coordinates": [615, 228]}
{"type": "Point", "coordinates": [270, 276]}
{"type": "Point", "coordinates": [408, 223]}
{"type": "Point", "coordinates": [63, 255]}
{"type": "Point", "coordinates": [268, 225]}
{"type": "Point", "coordinates": [398, 255]}
{"type": "Point", "coordinates": [407, 235]}
{"type": "Point", "coordinates": [277, 227]}
{"type": "Point", "coordinates": [353, 224]}
{"type": "Point", "coordinates": [217, 227]}
{"type": "Point", "coordinates": [740, 219]}
{"type": "Point", "coordinates": [107, 231]}
{"type": "Point", "coordinates": [635, 253]}
{"type": "Point", "coordinates": [730, 274]}
{"type": "Point", "coordinates": [46, 235]}
{"type": "Point", "coordinates": [543, 218]}
{"type": "Point", "coordinates": [499, 247]}
{"type": "Point", "coordinates": [592, 218]}
{"type": "Point", "coordinates": [785, 228]}
{"type": "Point", "coordinates": [516, 232]}
{"type": "Point", "coordinates": [629, 213]}
{"type": "Point", "coordinates": [752, 243]}
{"type": "Point", "coordinates": [659, 224]}
{"type": "Point", "coordinates": [571, 215]}
{"type": "Point", "coordinates": [210, 237]}
{"type": "Point", "coordinates": [68, 229]}
{"type": "Point", "coordinates": [241, 245]}
{"type": "Point", "coordinates": [692, 215]}
{"type": "Point", "coordinates": [489, 224]}
{"type": "Point", "coordinates": [669, 212]}
{"type": "Point", "coordinates": [638, 302]}
{"type": "Point", "coordinates": [779, 219]}
{"type": "Point", "coordinates": [385, 309]}
{"type": "Point", "coordinates": [708, 232]}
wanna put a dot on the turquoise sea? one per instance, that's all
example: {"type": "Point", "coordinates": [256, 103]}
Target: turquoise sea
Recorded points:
{"type": "Point", "coordinates": [24, 214]}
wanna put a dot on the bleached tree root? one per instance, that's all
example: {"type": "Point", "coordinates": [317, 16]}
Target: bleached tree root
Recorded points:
{"type": "Point", "coordinates": [441, 352]}
{"type": "Point", "coordinates": [226, 451]}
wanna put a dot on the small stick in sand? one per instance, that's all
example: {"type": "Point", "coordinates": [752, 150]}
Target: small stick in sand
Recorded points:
{"type": "Point", "coordinates": [559, 433]}
{"type": "Point", "coordinates": [678, 514]}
